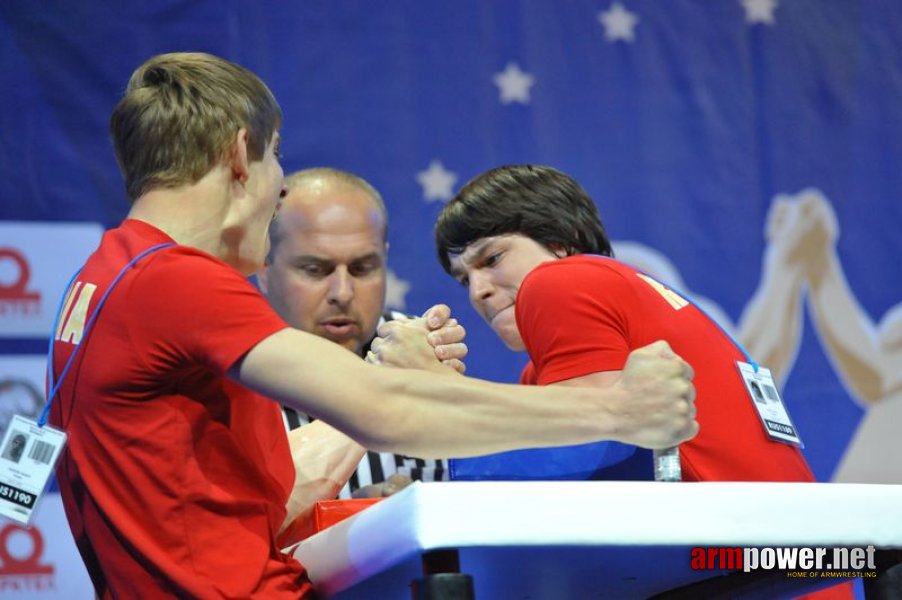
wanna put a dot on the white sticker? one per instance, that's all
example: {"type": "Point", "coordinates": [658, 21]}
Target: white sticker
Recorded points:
{"type": "Point", "coordinates": [766, 400]}
{"type": "Point", "coordinates": [28, 454]}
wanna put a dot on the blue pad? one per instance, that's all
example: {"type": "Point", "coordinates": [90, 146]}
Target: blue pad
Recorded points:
{"type": "Point", "coordinates": [601, 460]}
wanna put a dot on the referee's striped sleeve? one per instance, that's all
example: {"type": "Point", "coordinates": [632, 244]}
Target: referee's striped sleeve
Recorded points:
{"type": "Point", "coordinates": [376, 467]}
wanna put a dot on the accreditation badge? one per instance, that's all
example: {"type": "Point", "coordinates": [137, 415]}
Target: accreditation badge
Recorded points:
{"type": "Point", "coordinates": [766, 399]}
{"type": "Point", "coordinates": [28, 454]}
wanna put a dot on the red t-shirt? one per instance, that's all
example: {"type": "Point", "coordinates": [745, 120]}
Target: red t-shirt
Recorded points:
{"type": "Point", "coordinates": [175, 477]}
{"type": "Point", "coordinates": [584, 314]}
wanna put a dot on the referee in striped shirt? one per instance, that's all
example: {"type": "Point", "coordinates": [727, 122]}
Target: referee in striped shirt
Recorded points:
{"type": "Point", "coordinates": [326, 274]}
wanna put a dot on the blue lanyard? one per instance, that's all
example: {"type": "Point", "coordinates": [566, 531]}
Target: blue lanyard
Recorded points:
{"type": "Point", "coordinates": [748, 357]}
{"type": "Point", "coordinates": [54, 388]}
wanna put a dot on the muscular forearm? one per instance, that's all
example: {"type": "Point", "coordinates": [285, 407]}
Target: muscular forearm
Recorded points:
{"type": "Point", "coordinates": [424, 414]}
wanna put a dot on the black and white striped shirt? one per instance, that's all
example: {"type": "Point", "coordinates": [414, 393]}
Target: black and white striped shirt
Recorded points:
{"type": "Point", "coordinates": [376, 467]}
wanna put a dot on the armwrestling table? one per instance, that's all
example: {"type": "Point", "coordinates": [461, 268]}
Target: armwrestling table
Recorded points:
{"type": "Point", "coordinates": [593, 539]}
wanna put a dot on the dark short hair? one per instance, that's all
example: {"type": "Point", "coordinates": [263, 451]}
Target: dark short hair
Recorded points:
{"type": "Point", "coordinates": [533, 200]}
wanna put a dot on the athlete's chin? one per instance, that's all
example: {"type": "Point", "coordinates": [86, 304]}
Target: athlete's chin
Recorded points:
{"type": "Point", "coordinates": [516, 346]}
{"type": "Point", "coordinates": [511, 338]}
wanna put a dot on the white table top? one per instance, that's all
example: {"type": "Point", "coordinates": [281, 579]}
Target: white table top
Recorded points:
{"type": "Point", "coordinates": [558, 534]}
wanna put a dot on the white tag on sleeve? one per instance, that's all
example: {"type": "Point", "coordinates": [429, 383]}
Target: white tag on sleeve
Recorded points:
{"type": "Point", "coordinates": [766, 400]}
{"type": "Point", "coordinates": [28, 454]}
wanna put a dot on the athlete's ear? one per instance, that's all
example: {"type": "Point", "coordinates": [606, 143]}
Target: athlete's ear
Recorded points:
{"type": "Point", "coordinates": [263, 277]}
{"type": "Point", "coordinates": [558, 250]}
{"type": "Point", "coordinates": [238, 160]}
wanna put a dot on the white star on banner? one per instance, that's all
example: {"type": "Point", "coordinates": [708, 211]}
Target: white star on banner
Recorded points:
{"type": "Point", "coordinates": [619, 23]}
{"type": "Point", "coordinates": [513, 84]}
{"type": "Point", "coordinates": [395, 291]}
{"type": "Point", "coordinates": [759, 11]}
{"type": "Point", "coordinates": [437, 182]}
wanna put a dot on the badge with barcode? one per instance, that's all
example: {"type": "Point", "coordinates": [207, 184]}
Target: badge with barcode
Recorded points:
{"type": "Point", "coordinates": [766, 400]}
{"type": "Point", "coordinates": [27, 456]}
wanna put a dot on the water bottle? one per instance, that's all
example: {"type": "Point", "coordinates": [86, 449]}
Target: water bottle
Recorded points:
{"type": "Point", "coordinates": [667, 464]}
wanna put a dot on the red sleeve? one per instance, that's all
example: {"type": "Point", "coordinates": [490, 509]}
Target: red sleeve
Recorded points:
{"type": "Point", "coordinates": [195, 309]}
{"type": "Point", "coordinates": [571, 316]}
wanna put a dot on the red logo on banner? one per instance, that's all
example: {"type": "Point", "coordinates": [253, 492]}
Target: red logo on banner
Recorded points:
{"type": "Point", "coordinates": [21, 569]}
{"type": "Point", "coordinates": [15, 298]}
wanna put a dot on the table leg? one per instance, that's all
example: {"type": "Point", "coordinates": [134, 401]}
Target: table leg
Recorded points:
{"type": "Point", "coordinates": [888, 583]}
{"type": "Point", "coordinates": [442, 579]}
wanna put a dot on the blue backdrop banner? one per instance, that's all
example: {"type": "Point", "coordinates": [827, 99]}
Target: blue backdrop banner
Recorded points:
{"type": "Point", "coordinates": [745, 151]}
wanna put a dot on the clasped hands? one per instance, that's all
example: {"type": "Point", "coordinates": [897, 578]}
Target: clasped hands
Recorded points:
{"type": "Point", "coordinates": [433, 342]}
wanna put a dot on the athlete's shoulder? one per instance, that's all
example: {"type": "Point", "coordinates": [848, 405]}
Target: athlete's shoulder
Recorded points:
{"type": "Point", "coordinates": [572, 270]}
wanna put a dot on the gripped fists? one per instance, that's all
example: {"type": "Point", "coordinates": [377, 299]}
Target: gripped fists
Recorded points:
{"type": "Point", "coordinates": [433, 342]}
{"type": "Point", "coordinates": [658, 404]}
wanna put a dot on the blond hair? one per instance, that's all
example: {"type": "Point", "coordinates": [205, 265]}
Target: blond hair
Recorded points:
{"type": "Point", "coordinates": [179, 117]}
